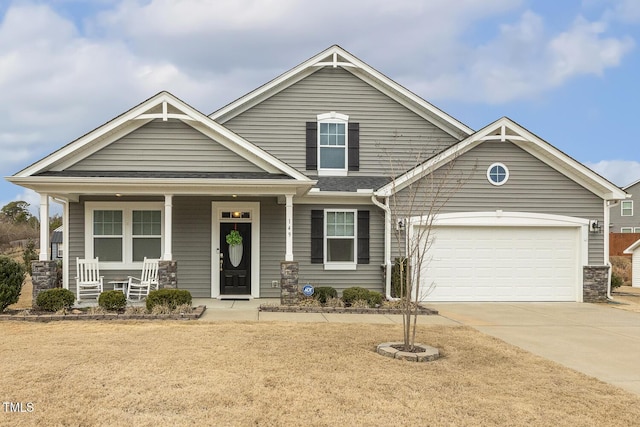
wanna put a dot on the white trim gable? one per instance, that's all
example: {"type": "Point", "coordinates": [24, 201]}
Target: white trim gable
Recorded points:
{"type": "Point", "coordinates": [631, 185]}
{"type": "Point", "coordinates": [335, 56]}
{"type": "Point", "coordinates": [506, 130]}
{"type": "Point", "coordinates": [632, 248]}
{"type": "Point", "coordinates": [162, 106]}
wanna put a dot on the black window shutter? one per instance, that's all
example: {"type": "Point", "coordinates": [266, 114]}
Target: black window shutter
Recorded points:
{"type": "Point", "coordinates": [354, 146]}
{"type": "Point", "coordinates": [363, 237]}
{"type": "Point", "coordinates": [317, 237]}
{"type": "Point", "coordinates": [312, 145]}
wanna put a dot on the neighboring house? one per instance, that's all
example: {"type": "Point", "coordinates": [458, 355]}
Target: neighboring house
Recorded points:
{"type": "Point", "coordinates": [625, 215]}
{"type": "Point", "coordinates": [57, 249]}
{"type": "Point", "coordinates": [634, 251]}
{"type": "Point", "coordinates": [300, 168]}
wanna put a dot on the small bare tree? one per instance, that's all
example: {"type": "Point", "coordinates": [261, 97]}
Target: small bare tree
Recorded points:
{"type": "Point", "coordinates": [413, 208]}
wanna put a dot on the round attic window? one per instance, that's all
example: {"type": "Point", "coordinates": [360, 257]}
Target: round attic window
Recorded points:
{"type": "Point", "coordinates": [497, 174]}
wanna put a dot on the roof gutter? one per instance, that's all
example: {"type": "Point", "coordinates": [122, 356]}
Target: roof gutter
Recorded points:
{"type": "Point", "coordinates": [387, 243]}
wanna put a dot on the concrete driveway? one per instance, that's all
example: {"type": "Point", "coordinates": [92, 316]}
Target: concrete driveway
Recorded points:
{"type": "Point", "coordinates": [596, 339]}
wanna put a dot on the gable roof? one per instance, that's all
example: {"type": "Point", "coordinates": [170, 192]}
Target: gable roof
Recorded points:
{"type": "Point", "coordinates": [335, 56]}
{"type": "Point", "coordinates": [505, 129]}
{"type": "Point", "coordinates": [632, 248]}
{"type": "Point", "coordinates": [631, 185]}
{"type": "Point", "coordinates": [162, 106]}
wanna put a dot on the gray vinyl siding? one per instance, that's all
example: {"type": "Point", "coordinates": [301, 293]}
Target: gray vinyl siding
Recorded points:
{"type": "Point", "coordinates": [618, 221]}
{"type": "Point", "coordinates": [192, 247]}
{"type": "Point", "coordinates": [192, 244]}
{"type": "Point", "coordinates": [390, 134]}
{"type": "Point", "coordinates": [76, 240]}
{"type": "Point", "coordinates": [272, 245]}
{"type": "Point", "coordinates": [165, 146]}
{"type": "Point", "coordinates": [533, 186]}
{"type": "Point", "coordinates": [366, 275]}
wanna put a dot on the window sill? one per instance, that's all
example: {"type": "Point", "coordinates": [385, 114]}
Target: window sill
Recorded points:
{"type": "Point", "coordinates": [340, 266]}
{"type": "Point", "coordinates": [332, 172]}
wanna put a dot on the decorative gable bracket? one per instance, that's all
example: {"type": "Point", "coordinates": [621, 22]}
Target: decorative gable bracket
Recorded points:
{"type": "Point", "coordinates": [164, 115]}
{"type": "Point", "coordinates": [335, 61]}
{"type": "Point", "coordinates": [502, 134]}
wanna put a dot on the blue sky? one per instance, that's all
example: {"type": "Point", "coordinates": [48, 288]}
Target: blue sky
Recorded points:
{"type": "Point", "coordinates": [566, 70]}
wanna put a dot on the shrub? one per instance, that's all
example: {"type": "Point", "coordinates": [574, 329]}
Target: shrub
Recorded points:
{"type": "Point", "coordinates": [375, 299]}
{"type": "Point", "coordinates": [55, 299]}
{"type": "Point", "coordinates": [350, 295]}
{"type": "Point", "coordinates": [397, 282]}
{"type": "Point", "coordinates": [170, 297]}
{"type": "Point", "coordinates": [112, 300]}
{"type": "Point", "coordinates": [29, 254]}
{"type": "Point", "coordinates": [11, 279]}
{"type": "Point", "coordinates": [616, 281]}
{"type": "Point", "coordinates": [324, 292]}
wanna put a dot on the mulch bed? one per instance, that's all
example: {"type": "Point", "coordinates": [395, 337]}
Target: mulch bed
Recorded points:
{"type": "Point", "coordinates": [352, 310]}
{"type": "Point", "coordinates": [77, 314]}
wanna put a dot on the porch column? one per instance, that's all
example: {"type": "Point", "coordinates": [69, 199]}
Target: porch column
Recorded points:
{"type": "Point", "coordinates": [289, 225]}
{"type": "Point", "coordinates": [44, 227]}
{"type": "Point", "coordinates": [168, 238]}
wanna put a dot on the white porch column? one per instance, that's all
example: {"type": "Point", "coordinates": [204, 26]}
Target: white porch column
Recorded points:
{"type": "Point", "coordinates": [44, 227]}
{"type": "Point", "coordinates": [168, 221]}
{"type": "Point", "coordinates": [289, 226]}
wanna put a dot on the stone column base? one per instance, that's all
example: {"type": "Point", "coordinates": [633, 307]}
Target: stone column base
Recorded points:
{"type": "Point", "coordinates": [289, 292]}
{"type": "Point", "coordinates": [167, 274]}
{"type": "Point", "coordinates": [595, 281]}
{"type": "Point", "coordinates": [44, 275]}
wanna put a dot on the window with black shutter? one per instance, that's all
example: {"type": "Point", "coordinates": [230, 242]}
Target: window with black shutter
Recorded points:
{"type": "Point", "coordinates": [332, 144]}
{"type": "Point", "coordinates": [339, 238]}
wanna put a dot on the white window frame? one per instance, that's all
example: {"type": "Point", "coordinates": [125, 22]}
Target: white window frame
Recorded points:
{"type": "Point", "coordinates": [127, 209]}
{"type": "Point", "coordinates": [629, 207]}
{"type": "Point", "coordinates": [626, 229]}
{"type": "Point", "coordinates": [506, 178]}
{"type": "Point", "coordinates": [636, 229]}
{"type": "Point", "coordinates": [334, 117]}
{"type": "Point", "coordinates": [334, 265]}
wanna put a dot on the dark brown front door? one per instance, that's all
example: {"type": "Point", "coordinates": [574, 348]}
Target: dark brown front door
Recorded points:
{"type": "Point", "coordinates": [235, 274]}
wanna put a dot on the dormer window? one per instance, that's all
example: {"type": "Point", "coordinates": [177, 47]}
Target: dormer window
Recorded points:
{"type": "Point", "coordinates": [333, 145]}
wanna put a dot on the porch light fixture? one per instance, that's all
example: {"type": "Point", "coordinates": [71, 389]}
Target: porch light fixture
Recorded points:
{"type": "Point", "coordinates": [595, 226]}
{"type": "Point", "coordinates": [236, 214]}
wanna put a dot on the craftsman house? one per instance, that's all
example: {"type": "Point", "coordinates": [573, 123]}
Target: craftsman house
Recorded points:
{"type": "Point", "coordinates": [315, 167]}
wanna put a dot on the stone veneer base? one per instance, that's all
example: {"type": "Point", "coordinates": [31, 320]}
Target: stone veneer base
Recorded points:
{"type": "Point", "coordinates": [197, 312]}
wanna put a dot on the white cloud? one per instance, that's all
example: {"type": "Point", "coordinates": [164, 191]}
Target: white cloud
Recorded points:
{"type": "Point", "coordinates": [583, 50]}
{"type": "Point", "coordinates": [620, 172]}
{"type": "Point", "coordinates": [525, 60]}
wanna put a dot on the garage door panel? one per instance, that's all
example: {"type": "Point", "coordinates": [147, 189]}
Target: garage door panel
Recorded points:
{"type": "Point", "coordinates": [503, 264]}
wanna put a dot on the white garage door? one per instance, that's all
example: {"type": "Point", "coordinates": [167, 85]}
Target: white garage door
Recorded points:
{"type": "Point", "coordinates": [490, 263]}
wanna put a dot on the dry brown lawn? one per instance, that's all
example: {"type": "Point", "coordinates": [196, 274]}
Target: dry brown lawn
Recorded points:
{"type": "Point", "coordinates": [162, 373]}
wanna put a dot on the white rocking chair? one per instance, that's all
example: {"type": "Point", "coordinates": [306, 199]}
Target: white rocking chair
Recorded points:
{"type": "Point", "coordinates": [88, 280]}
{"type": "Point", "coordinates": [139, 288]}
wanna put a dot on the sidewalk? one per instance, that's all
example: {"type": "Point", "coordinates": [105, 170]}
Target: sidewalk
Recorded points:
{"type": "Point", "coordinates": [241, 310]}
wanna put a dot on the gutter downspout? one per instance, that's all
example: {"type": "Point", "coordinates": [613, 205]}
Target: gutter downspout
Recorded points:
{"type": "Point", "coordinates": [607, 218]}
{"type": "Point", "coordinates": [387, 243]}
